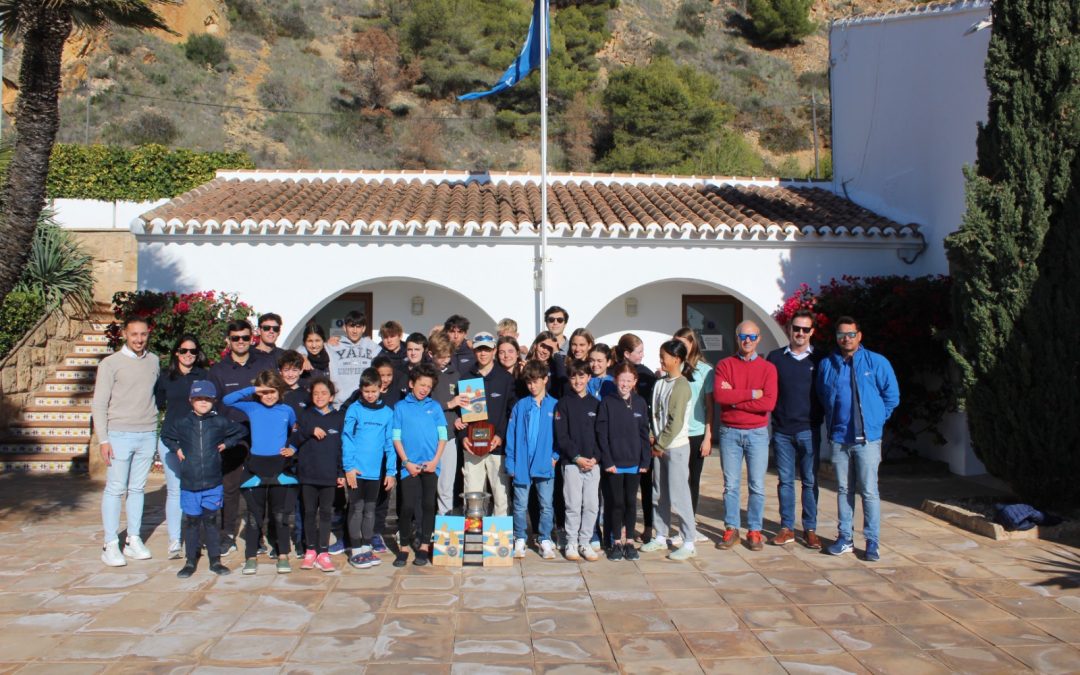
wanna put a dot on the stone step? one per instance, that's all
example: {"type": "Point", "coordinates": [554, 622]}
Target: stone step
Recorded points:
{"type": "Point", "coordinates": [82, 347]}
{"type": "Point", "coordinates": [40, 463]}
{"type": "Point", "coordinates": [45, 430]}
{"type": "Point", "coordinates": [95, 338]}
{"type": "Point", "coordinates": [76, 373]}
{"type": "Point", "coordinates": [58, 447]}
{"type": "Point", "coordinates": [40, 413]}
{"type": "Point", "coordinates": [66, 385]}
{"type": "Point", "coordinates": [63, 399]}
{"type": "Point", "coordinates": [83, 360]}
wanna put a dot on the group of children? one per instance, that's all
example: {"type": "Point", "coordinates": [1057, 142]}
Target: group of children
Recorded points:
{"type": "Point", "coordinates": [575, 432]}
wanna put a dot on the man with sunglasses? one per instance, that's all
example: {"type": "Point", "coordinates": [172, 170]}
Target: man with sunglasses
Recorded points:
{"type": "Point", "coordinates": [745, 388]}
{"type": "Point", "coordinates": [235, 371]}
{"type": "Point", "coordinates": [269, 332]}
{"type": "Point", "coordinates": [556, 319]}
{"type": "Point", "coordinates": [858, 391]}
{"type": "Point", "coordinates": [796, 429]}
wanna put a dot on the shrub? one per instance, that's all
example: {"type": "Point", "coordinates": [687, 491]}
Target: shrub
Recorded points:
{"type": "Point", "coordinates": [784, 137]}
{"type": "Point", "coordinates": [205, 49]}
{"type": "Point", "coordinates": [145, 128]}
{"type": "Point", "coordinates": [781, 21]}
{"type": "Point", "coordinates": [275, 93]}
{"type": "Point", "coordinates": [19, 311]}
{"type": "Point", "coordinates": [205, 315]}
{"type": "Point", "coordinates": [57, 268]}
{"type": "Point", "coordinates": [690, 16]}
{"type": "Point", "coordinates": [290, 22]}
{"type": "Point", "coordinates": [728, 155]}
{"type": "Point", "coordinates": [904, 319]}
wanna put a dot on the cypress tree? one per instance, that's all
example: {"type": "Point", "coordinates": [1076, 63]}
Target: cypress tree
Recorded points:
{"type": "Point", "coordinates": [1016, 258]}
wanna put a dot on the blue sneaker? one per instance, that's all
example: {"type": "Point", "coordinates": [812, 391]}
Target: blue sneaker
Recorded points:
{"type": "Point", "coordinates": [338, 547]}
{"type": "Point", "coordinates": [840, 547]}
{"type": "Point", "coordinates": [361, 561]}
{"type": "Point", "coordinates": [872, 554]}
{"type": "Point", "coordinates": [378, 545]}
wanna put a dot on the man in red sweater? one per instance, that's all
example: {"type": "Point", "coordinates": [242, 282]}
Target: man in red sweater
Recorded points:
{"type": "Point", "coordinates": [745, 388]}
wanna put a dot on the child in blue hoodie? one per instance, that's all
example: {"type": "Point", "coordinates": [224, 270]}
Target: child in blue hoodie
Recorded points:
{"type": "Point", "coordinates": [531, 457]}
{"type": "Point", "coordinates": [367, 455]}
{"type": "Point", "coordinates": [419, 435]}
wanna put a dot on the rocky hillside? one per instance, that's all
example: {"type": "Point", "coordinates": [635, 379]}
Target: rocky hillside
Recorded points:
{"type": "Point", "coordinates": [372, 83]}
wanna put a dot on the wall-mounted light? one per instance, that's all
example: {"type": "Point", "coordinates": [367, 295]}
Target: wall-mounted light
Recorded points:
{"type": "Point", "coordinates": [417, 306]}
{"type": "Point", "coordinates": [631, 307]}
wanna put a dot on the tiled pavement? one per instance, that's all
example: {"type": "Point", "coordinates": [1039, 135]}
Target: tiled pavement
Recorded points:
{"type": "Point", "coordinates": [940, 601]}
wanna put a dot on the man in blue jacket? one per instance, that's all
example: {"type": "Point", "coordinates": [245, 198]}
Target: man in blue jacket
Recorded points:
{"type": "Point", "coordinates": [858, 392]}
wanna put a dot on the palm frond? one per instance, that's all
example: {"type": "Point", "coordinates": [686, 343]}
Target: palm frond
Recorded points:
{"type": "Point", "coordinates": [98, 14]}
{"type": "Point", "coordinates": [57, 269]}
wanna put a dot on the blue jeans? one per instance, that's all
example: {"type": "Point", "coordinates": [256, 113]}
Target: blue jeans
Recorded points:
{"type": "Point", "coordinates": [133, 455]}
{"type": "Point", "coordinates": [545, 488]}
{"type": "Point", "coordinates": [857, 469]}
{"type": "Point", "coordinates": [798, 452]}
{"type": "Point", "coordinates": [171, 464]}
{"type": "Point", "coordinates": [753, 444]}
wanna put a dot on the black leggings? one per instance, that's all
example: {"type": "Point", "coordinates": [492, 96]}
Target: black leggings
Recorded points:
{"type": "Point", "coordinates": [425, 485]}
{"type": "Point", "coordinates": [363, 506]}
{"type": "Point", "coordinates": [199, 530]}
{"type": "Point", "coordinates": [318, 501]}
{"type": "Point", "coordinates": [282, 502]}
{"type": "Point", "coordinates": [620, 502]}
{"type": "Point", "coordinates": [697, 463]}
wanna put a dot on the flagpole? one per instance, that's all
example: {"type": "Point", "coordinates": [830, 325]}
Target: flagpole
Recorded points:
{"type": "Point", "coordinates": [543, 164]}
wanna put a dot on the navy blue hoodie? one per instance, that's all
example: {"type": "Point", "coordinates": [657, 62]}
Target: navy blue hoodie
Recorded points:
{"type": "Point", "coordinates": [622, 432]}
{"type": "Point", "coordinates": [499, 391]}
{"type": "Point", "coordinates": [318, 462]}
{"type": "Point", "coordinates": [575, 427]}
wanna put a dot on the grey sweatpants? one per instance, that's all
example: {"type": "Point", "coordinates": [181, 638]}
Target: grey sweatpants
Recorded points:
{"type": "Point", "coordinates": [581, 493]}
{"type": "Point", "coordinates": [448, 470]}
{"type": "Point", "coordinates": [671, 489]}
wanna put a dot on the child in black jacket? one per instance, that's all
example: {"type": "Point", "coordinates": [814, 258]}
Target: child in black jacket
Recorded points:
{"type": "Point", "coordinates": [198, 438]}
{"type": "Point", "coordinates": [318, 441]}
{"type": "Point", "coordinates": [575, 438]}
{"type": "Point", "coordinates": [622, 432]}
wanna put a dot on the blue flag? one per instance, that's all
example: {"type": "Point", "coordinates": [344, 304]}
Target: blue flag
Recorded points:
{"type": "Point", "coordinates": [528, 59]}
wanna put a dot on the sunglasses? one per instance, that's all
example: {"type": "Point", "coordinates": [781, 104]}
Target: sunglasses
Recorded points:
{"type": "Point", "coordinates": [269, 329]}
{"type": "Point", "coordinates": [743, 337]}
{"type": "Point", "coordinates": [185, 350]}
{"type": "Point", "coordinates": [802, 329]}
{"type": "Point", "coordinates": [850, 335]}
{"type": "Point", "coordinates": [239, 338]}
{"type": "Point", "coordinates": [555, 319]}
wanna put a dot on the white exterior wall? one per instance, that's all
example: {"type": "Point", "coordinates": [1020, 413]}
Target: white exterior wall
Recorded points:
{"type": "Point", "coordinates": [907, 93]}
{"type": "Point", "coordinates": [489, 281]}
{"type": "Point", "coordinates": [91, 214]}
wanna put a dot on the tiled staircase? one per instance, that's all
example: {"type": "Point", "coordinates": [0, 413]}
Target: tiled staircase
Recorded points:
{"type": "Point", "coordinates": [52, 434]}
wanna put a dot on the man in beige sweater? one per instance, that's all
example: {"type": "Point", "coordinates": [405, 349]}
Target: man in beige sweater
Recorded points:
{"type": "Point", "coordinates": [125, 418]}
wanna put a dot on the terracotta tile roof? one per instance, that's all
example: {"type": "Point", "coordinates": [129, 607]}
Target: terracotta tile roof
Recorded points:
{"type": "Point", "coordinates": [456, 204]}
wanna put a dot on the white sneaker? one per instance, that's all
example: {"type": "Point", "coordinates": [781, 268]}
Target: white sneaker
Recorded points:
{"type": "Point", "coordinates": [136, 549]}
{"type": "Point", "coordinates": [699, 538]}
{"type": "Point", "coordinates": [589, 554]}
{"type": "Point", "coordinates": [547, 550]}
{"type": "Point", "coordinates": [111, 556]}
{"type": "Point", "coordinates": [677, 541]}
{"type": "Point", "coordinates": [176, 550]}
{"type": "Point", "coordinates": [519, 548]}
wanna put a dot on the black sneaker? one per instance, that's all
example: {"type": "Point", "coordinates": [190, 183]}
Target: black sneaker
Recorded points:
{"type": "Point", "coordinates": [615, 552]}
{"type": "Point", "coordinates": [228, 544]}
{"type": "Point", "coordinates": [401, 559]}
{"type": "Point", "coordinates": [217, 568]}
{"type": "Point", "coordinates": [186, 571]}
{"type": "Point", "coordinates": [421, 558]}
{"type": "Point", "coordinates": [630, 553]}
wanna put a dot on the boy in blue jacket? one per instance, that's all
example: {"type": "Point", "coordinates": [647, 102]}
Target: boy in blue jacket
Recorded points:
{"type": "Point", "coordinates": [531, 457]}
{"type": "Point", "coordinates": [367, 456]}
{"type": "Point", "coordinates": [198, 438]}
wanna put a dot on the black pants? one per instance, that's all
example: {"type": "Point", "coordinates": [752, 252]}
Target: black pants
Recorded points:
{"type": "Point", "coordinates": [363, 508]}
{"type": "Point", "coordinates": [382, 507]}
{"type": "Point", "coordinates": [697, 463]}
{"type": "Point", "coordinates": [620, 502]}
{"type": "Point", "coordinates": [232, 474]}
{"type": "Point", "coordinates": [425, 486]}
{"type": "Point", "coordinates": [281, 500]}
{"type": "Point", "coordinates": [318, 503]}
{"type": "Point", "coordinates": [645, 479]}
{"type": "Point", "coordinates": [199, 530]}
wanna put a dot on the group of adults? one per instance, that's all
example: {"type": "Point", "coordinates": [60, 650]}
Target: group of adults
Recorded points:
{"type": "Point", "coordinates": [796, 390]}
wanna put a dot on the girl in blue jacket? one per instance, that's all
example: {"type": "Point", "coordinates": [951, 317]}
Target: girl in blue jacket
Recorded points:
{"type": "Point", "coordinates": [367, 454]}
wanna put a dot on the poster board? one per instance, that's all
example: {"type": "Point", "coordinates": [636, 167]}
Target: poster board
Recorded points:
{"type": "Point", "coordinates": [474, 399]}
{"type": "Point", "coordinates": [498, 541]}
{"type": "Point", "coordinates": [449, 539]}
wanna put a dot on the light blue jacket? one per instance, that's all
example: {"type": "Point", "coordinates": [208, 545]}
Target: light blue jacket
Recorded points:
{"type": "Point", "coordinates": [366, 441]}
{"type": "Point", "coordinates": [879, 393]}
{"type": "Point", "coordinates": [525, 461]}
{"type": "Point", "coordinates": [419, 425]}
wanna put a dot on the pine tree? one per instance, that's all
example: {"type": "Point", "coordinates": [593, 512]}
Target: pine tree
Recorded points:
{"type": "Point", "coordinates": [1016, 257]}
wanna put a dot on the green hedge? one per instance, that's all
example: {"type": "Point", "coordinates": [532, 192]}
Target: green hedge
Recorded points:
{"type": "Point", "coordinates": [143, 173]}
{"type": "Point", "coordinates": [19, 311]}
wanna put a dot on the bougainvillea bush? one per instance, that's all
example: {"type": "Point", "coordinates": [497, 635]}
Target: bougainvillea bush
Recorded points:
{"type": "Point", "coordinates": [205, 315]}
{"type": "Point", "coordinates": [904, 319]}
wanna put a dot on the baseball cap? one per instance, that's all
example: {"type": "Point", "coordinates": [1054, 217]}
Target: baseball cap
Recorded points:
{"type": "Point", "coordinates": [483, 340]}
{"type": "Point", "coordinates": [203, 389]}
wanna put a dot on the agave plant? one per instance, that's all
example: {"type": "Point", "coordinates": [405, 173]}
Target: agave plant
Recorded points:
{"type": "Point", "coordinates": [57, 269]}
